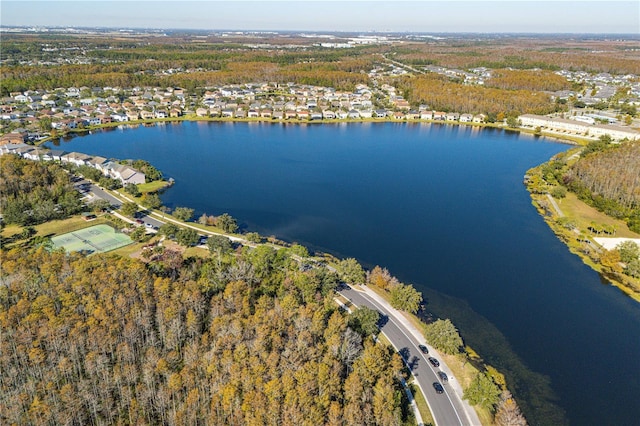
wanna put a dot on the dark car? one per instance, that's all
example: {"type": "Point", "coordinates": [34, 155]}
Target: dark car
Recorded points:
{"type": "Point", "coordinates": [423, 349]}
{"type": "Point", "coordinates": [434, 361]}
{"type": "Point", "coordinates": [438, 387]}
{"type": "Point", "coordinates": [443, 377]}
{"type": "Point", "coordinates": [139, 221]}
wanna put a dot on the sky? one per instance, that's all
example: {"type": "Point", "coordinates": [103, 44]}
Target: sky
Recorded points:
{"type": "Point", "coordinates": [429, 16]}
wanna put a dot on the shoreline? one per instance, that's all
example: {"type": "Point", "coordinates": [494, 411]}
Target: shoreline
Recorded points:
{"type": "Point", "coordinates": [566, 139]}
{"type": "Point", "coordinates": [579, 241]}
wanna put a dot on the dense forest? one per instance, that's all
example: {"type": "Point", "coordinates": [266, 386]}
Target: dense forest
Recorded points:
{"type": "Point", "coordinates": [553, 53]}
{"type": "Point", "coordinates": [440, 93]}
{"type": "Point", "coordinates": [528, 80]}
{"type": "Point", "coordinates": [208, 65]}
{"type": "Point", "coordinates": [33, 192]}
{"type": "Point", "coordinates": [608, 177]}
{"type": "Point", "coordinates": [248, 339]}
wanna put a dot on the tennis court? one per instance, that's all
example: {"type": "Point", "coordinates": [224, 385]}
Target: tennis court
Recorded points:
{"type": "Point", "coordinates": [95, 239]}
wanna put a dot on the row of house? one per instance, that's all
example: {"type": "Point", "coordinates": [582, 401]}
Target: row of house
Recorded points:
{"type": "Point", "coordinates": [578, 128]}
{"type": "Point", "coordinates": [125, 174]}
{"type": "Point", "coordinates": [328, 114]}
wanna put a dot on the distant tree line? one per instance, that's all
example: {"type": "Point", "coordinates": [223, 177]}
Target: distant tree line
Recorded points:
{"type": "Point", "coordinates": [440, 93]}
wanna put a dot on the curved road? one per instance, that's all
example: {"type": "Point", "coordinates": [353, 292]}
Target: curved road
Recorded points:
{"type": "Point", "coordinates": [447, 408]}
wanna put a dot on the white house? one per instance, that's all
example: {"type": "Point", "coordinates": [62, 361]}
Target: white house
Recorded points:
{"type": "Point", "coordinates": [578, 128]}
{"type": "Point", "coordinates": [126, 174]}
{"type": "Point", "coordinates": [120, 117]}
{"type": "Point", "coordinates": [466, 118]}
{"type": "Point", "coordinates": [479, 118]}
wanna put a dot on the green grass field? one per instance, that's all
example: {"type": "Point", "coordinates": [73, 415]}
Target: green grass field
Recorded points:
{"type": "Point", "coordinates": [95, 239]}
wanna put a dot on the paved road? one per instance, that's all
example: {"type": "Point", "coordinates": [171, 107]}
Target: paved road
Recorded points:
{"type": "Point", "coordinates": [115, 202]}
{"type": "Point", "coordinates": [446, 408]}
{"type": "Point", "coordinates": [555, 205]}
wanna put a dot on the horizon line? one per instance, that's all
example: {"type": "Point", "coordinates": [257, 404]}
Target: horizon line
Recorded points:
{"type": "Point", "coordinates": [27, 26]}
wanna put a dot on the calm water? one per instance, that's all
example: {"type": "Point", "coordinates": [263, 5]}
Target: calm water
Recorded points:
{"type": "Point", "coordinates": [443, 208]}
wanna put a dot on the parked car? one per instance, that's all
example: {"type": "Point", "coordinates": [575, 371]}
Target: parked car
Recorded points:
{"type": "Point", "coordinates": [139, 221]}
{"type": "Point", "coordinates": [438, 387]}
{"type": "Point", "coordinates": [443, 377]}
{"type": "Point", "coordinates": [434, 361]}
{"type": "Point", "coordinates": [148, 225]}
{"type": "Point", "coordinates": [423, 349]}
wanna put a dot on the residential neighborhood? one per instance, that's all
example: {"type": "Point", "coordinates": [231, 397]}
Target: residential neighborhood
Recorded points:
{"type": "Point", "coordinates": [123, 173]}
{"type": "Point", "coordinates": [38, 114]}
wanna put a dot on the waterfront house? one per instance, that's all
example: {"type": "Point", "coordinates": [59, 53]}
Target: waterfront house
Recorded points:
{"type": "Point", "coordinates": [120, 118]}
{"type": "Point", "coordinates": [12, 148]}
{"type": "Point", "coordinates": [577, 127]}
{"type": "Point", "coordinates": [34, 154]}
{"type": "Point", "coordinates": [55, 154]}
{"type": "Point", "coordinates": [452, 116]}
{"type": "Point", "coordinates": [266, 113]}
{"type": "Point", "coordinates": [327, 114]}
{"type": "Point", "coordinates": [290, 114]}
{"type": "Point", "coordinates": [426, 115]}
{"type": "Point", "coordinates": [13, 138]}
{"type": "Point", "coordinates": [146, 115]}
{"type": "Point", "coordinates": [125, 174]}
{"type": "Point", "coordinates": [466, 118]}
{"type": "Point", "coordinates": [479, 118]}
{"type": "Point", "coordinates": [98, 163]}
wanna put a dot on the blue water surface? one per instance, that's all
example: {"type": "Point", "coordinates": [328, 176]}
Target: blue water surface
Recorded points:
{"type": "Point", "coordinates": [442, 207]}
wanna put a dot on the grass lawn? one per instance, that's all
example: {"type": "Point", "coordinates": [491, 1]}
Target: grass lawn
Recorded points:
{"type": "Point", "coordinates": [152, 186]}
{"type": "Point", "coordinates": [423, 407]}
{"type": "Point", "coordinates": [11, 229]}
{"type": "Point", "coordinates": [57, 227]}
{"type": "Point", "coordinates": [196, 252]}
{"type": "Point", "coordinates": [584, 214]}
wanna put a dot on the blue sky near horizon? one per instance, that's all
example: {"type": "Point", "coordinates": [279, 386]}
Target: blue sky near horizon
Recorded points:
{"type": "Point", "coordinates": [559, 16]}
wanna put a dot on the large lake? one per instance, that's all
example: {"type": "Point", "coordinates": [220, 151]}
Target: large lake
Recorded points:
{"type": "Point", "coordinates": [442, 207]}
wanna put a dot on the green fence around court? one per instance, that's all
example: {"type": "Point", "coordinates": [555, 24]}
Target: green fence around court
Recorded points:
{"type": "Point", "coordinates": [95, 239]}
